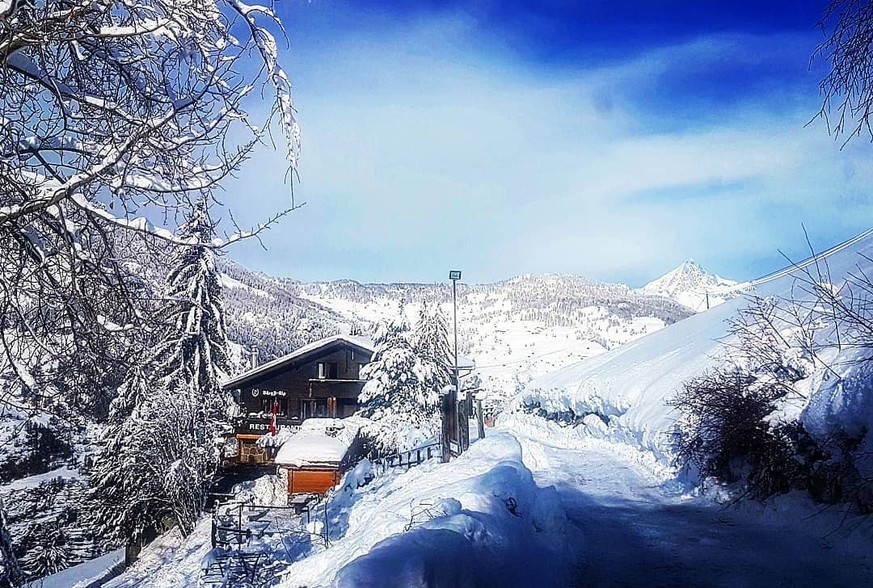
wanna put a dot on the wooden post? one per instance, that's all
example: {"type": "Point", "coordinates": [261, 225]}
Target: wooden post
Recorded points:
{"type": "Point", "coordinates": [463, 426]}
{"type": "Point", "coordinates": [480, 419]}
{"type": "Point", "coordinates": [446, 404]}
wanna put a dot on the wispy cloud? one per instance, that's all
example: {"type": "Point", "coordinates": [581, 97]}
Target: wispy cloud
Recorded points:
{"type": "Point", "coordinates": [424, 149]}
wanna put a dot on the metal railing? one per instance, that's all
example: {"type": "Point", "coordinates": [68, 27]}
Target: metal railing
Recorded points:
{"type": "Point", "coordinates": [251, 542]}
{"type": "Point", "coordinates": [406, 459]}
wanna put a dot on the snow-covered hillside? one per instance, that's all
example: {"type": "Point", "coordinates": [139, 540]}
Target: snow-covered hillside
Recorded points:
{"type": "Point", "coordinates": [690, 284]}
{"type": "Point", "coordinates": [625, 394]}
{"type": "Point", "coordinates": [267, 313]}
{"type": "Point", "coordinates": [517, 329]}
{"type": "Point", "coordinates": [592, 504]}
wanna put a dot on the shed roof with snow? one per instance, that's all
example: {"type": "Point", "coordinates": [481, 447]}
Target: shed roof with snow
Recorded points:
{"type": "Point", "coordinates": [320, 442]}
{"type": "Point", "coordinates": [311, 449]}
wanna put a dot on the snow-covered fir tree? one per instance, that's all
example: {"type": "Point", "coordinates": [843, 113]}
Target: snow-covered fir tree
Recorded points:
{"type": "Point", "coordinates": [194, 356]}
{"type": "Point", "coordinates": [400, 396]}
{"type": "Point", "coordinates": [157, 462]}
{"type": "Point", "coordinates": [10, 572]}
{"type": "Point", "coordinates": [431, 342]}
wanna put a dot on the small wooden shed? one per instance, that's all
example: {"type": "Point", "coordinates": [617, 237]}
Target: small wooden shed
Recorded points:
{"type": "Point", "coordinates": [316, 456]}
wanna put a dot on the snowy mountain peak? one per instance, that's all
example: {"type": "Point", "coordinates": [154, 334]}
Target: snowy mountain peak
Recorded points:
{"type": "Point", "coordinates": [690, 284]}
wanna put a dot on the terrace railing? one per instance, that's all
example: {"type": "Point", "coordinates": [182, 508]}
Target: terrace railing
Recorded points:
{"type": "Point", "coordinates": [407, 459]}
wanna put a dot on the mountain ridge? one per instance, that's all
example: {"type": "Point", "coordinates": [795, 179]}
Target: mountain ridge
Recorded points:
{"type": "Point", "coordinates": [520, 328]}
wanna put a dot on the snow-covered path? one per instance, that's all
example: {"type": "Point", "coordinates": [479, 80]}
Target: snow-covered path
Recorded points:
{"type": "Point", "coordinates": [637, 533]}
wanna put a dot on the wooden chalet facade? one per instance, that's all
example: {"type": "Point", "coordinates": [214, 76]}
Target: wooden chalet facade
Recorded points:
{"type": "Point", "coordinates": [319, 380]}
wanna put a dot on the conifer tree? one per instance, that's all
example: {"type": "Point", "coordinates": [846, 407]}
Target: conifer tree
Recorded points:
{"type": "Point", "coordinates": [399, 396]}
{"type": "Point", "coordinates": [10, 571]}
{"type": "Point", "coordinates": [156, 464]}
{"type": "Point", "coordinates": [431, 342]}
{"type": "Point", "coordinates": [194, 356]}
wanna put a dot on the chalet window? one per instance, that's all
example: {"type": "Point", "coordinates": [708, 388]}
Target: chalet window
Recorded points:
{"type": "Point", "coordinates": [267, 406]}
{"type": "Point", "coordinates": [317, 407]}
{"type": "Point", "coordinates": [328, 371]}
{"type": "Point", "coordinates": [346, 407]}
{"type": "Point", "coordinates": [360, 369]}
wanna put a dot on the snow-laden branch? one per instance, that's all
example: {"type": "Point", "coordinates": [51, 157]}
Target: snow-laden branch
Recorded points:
{"type": "Point", "coordinates": [117, 116]}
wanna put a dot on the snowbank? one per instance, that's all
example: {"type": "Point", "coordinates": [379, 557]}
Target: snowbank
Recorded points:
{"type": "Point", "coordinates": [626, 391]}
{"type": "Point", "coordinates": [95, 572]}
{"type": "Point", "coordinates": [624, 395]}
{"type": "Point", "coordinates": [477, 521]}
{"type": "Point", "coordinates": [63, 473]}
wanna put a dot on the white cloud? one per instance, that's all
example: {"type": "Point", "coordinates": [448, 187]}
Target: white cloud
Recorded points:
{"type": "Point", "coordinates": [421, 152]}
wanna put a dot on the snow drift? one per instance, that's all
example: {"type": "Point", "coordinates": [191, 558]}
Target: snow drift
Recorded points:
{"type": "Point", "coordinates": [624, 395]}
{"type": "Point", "coordinates": [480, 520]}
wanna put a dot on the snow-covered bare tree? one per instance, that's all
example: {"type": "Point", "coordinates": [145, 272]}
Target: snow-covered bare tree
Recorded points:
{"type": "Point", "coordinates": [116, 117]}
{"type": "Point", "coordinates": [399, 396]}
{"type": "Point", "coordinates": [152, 471]}
{"type": "Point", "coordinates": [848, 87]}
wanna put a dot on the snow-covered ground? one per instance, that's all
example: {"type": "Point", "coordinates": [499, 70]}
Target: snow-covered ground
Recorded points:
{"type": "Point", "coordinates": [639, 528]}
{"type": "Point", "coordinates": [592, 503]}
{"type": "Point", "coordinates": [537, 504]}
{"type": "Point", "coordinates": [625, 394]}
{"type": "Point", "coordinates": [480, 520]}
{"type": "Point", "coordinates": [85, 575]}
{"type": "Point", "coordinates": [64, 473]}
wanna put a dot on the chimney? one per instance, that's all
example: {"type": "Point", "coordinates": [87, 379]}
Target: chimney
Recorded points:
{"type": "Point", "coordinates": [253, 358]}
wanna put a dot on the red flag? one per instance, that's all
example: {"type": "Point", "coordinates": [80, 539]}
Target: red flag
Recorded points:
{"type": "Point", "coordinates": [273, 418]}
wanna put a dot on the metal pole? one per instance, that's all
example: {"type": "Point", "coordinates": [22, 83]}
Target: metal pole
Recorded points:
{"type": "Point", "coordinates": [455, 315]}
{"type": "Point", "coordinates": [462, 427]}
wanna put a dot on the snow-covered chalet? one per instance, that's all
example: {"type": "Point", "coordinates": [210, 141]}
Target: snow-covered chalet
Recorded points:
{"type": "Point", "coordinates": [319, 380]}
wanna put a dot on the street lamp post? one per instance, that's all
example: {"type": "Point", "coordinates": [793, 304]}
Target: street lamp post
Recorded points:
{"type": "Point", "coordinates": [462, 427]}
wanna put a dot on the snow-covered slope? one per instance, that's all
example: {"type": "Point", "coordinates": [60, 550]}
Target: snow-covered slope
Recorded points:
{"type": "Point", "coordinates": [267, 313]}
{"type": "Point", "coordinates": [483, 512]}
{"type": "Point", "coordinates": [690, 284]}
{"type": "Point", "coordinates": [517, 329]}
{"type": "Point", "coordinates": [625, 394]}
{"type": "Point", "coordinates": [532, 504]}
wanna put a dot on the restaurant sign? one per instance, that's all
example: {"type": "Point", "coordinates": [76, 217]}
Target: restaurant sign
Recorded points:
{"type": "Point", "coordinates": [270, 393]}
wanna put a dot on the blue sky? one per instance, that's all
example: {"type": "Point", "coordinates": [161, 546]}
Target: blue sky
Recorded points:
{"type": "Point", "coordinates": [611, 140]}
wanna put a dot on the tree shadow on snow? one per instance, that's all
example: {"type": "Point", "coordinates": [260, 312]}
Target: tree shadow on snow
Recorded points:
{"type": "Point", "coordinates": [635, 543]}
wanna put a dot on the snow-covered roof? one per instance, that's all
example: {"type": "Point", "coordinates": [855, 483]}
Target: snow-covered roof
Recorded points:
{"type": "Point", "coordinates": [297, 355]}
{"type": "Point", "coordinates": [465, 363]}
{"type": "Point", "coordinates": [319, 442]}
{"type": "Point", "coordinates": [309, 448]}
